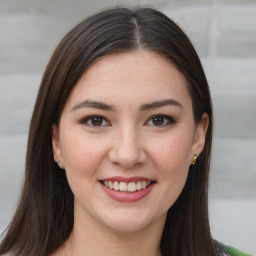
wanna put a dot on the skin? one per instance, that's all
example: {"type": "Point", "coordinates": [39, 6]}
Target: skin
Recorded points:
{"type": "Point", "coordinates": [127, 143]}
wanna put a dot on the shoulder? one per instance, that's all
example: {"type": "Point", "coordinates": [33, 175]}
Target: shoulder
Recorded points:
{"type": "Point", "coordinates": [226, 250]}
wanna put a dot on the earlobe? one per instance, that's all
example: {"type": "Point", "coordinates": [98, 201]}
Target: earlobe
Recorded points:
{"type": "Point", "coordinates": [200, 134]}
{"type": "Point", "coordinates": [56, 143]}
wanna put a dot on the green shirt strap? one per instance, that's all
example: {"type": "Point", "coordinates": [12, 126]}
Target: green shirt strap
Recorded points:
{"type": "Point", "coordinates": [234, 252]}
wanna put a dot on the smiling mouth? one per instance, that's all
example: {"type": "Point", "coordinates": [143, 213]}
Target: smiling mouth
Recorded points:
{"type": "Point", "coordinates": [127, 186]}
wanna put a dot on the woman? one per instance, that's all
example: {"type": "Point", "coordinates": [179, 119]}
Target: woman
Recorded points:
{"type": "Point", "coordinates": [119, 145]}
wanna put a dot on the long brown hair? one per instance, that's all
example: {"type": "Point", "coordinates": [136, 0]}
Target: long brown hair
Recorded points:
{"type": "Point", "coordinates": [44, 217]}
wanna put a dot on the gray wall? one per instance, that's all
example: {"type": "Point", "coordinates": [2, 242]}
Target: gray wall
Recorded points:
{"type": "Point", "coordinates": [224, 34]}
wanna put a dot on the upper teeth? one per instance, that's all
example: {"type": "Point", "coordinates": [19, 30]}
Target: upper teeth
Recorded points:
{"type": "Point", "coordinates": [124, 186]}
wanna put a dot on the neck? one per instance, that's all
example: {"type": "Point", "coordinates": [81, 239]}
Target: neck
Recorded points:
{"type": "Point", "coordinates": [89, 238]}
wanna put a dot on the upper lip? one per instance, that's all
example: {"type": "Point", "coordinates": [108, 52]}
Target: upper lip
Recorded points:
{"type": "Point", "coordinates": [127, 179]}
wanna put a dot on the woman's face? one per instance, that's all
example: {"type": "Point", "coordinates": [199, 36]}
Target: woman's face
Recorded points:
{"type": "Point", "coordinates": [126, 139]}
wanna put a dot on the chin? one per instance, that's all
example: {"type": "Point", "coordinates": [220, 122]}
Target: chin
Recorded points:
{"type": "Point", "coordinates": [129, 223]}
{"type": "Point", "coordinates": [126, 227]}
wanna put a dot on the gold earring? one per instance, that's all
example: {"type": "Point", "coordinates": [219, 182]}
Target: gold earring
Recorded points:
{"type": "Point", "coordinates": [193, 162]}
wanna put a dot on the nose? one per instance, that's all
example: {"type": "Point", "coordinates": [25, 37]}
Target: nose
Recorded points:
{"type": "Point", "coordinates": [127, 149]}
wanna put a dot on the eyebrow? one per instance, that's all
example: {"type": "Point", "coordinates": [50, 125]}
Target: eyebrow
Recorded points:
{"type": "Point", "coordinates": [93, 104]}
{"type": "Point", "coordinates": [162, 103]}
{"type": "Point", "coordinates": [104, 106]}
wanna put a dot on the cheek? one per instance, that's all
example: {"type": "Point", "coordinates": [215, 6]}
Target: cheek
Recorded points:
{"type": "Point", "coordinates": [82, 159]}
{"type": "Point", "coordinates": [81, 156]}
{"type": "Point", "coordinates": [171, 160]}
{"type": "Point", "coordinates": [173, 154]}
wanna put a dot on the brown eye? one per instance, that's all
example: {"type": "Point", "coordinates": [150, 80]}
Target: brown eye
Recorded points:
{"type": "Point", "coordinates": [161, 120]}
{"type": "Point", "coordinates": [96, 121]}
{"type": "Point", "coordinates": [158, 121]}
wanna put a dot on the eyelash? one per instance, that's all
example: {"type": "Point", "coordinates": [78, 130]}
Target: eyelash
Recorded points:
{"type": "Point", "coordinates": [89, 119]}
{"type": "Point", "coordinates": [168, 120]}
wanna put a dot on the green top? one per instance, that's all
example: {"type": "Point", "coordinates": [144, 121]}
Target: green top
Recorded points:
{"type": "Point", "coordinates": [231, 251]}
{"type": "Point", "coordinates": [234, 252]}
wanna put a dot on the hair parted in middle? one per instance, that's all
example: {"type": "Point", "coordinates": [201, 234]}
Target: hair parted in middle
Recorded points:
{"type": "Point", "coordinates": [44, 217]}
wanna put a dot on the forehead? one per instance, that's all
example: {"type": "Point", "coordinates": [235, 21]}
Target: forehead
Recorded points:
{"type": "Point", "coordinates": [142, 75]}
{"type": "Point", "coordinates": [124, 66]}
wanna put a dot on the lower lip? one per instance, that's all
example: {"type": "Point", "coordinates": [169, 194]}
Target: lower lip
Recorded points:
{"type": "Point", "coordinates": [127, 196]}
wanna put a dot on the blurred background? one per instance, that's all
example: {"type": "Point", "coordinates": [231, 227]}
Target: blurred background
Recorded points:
{"type": "Point", "coordinates": [224, 34]}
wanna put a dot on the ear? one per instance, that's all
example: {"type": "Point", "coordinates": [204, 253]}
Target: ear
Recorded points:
{"type": "Point", "coordinates": [57, 153]}
{"type": "Point", "coordinates": [200, 134]}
